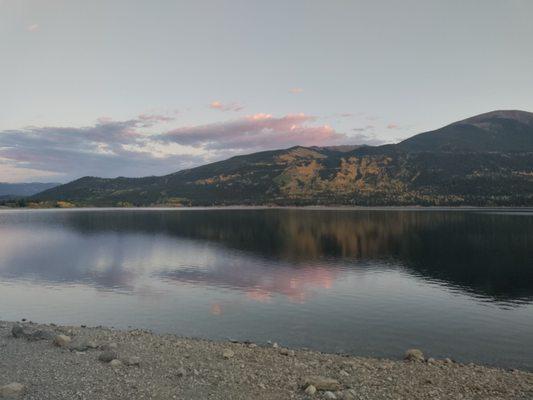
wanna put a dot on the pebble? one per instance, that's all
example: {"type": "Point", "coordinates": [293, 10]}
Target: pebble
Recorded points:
{"type": "Point", "coordinates": [329, 395]}
{"type": "Point", "coordinates": [115, 363]}
{"type": "Point", "coordinates": [133, 361]}
{"type": "Point", "coordinates": [82, 345]}
{"type": "Point", "coordinates": [227, 354]}
{"type": "Point", "coordinates": [349, 394]}
{"type": "Point", "coordinates": [310, 390]}
{"type": "Point", "coordinates": [62, 340]}
{"type": "Point", "coordinates": [182, 372]}
{"type": "Point", "coordinates": [287, 352]}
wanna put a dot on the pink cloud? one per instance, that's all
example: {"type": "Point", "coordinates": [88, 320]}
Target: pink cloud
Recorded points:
{"type": "Point", "coordinates": [32, 27]}
{"type": "Point", "coordinates": [258, 131]}
{"type": "Point", "coordinates": [392, 126]}
{"type": "Point", "coordinates": [217, 105]}
{"type": "Point", "coordinates": [153, 118]}
{"type": "Point", "coordinates": [296, 90]}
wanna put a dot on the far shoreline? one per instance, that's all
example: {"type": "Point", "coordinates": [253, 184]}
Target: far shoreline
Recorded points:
{"type": "Point", "coordinates": [275, 207]}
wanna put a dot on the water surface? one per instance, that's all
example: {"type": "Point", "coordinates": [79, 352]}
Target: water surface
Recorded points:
{"type": "Point", "coordinates": [368, 282]}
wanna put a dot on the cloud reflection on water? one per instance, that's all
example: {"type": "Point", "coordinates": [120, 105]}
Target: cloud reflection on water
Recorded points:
{"type": "Point", "coordinates": [260, 253]}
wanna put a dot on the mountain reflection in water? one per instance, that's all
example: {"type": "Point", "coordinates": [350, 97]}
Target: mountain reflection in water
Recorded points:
{"type": "Point", "coordinates": [487, 255]}
{"type": "Point", "coordinates": [366, 281]}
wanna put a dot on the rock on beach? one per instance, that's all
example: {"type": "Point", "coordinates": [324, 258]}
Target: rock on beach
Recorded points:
{"type": "Point", "coordinates": [168, 367]}
{"type": "Point", "coordinates": [322, 383]}
{"type": "Point", "coordinates": [414, 355]}
{"type": "Point", "coordinates": [108, 356]}
{"type": "Point", "coordinates": [62, 340]}
{"type": "Point", "coordinates": [12, 391]}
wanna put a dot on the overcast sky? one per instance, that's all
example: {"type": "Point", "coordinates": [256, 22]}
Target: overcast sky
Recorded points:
{"type": "Point", "coordinates": [125, 87]}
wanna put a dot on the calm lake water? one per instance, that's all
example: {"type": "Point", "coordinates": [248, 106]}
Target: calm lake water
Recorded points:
{"type": "Point", "coordinates": [368, 282]}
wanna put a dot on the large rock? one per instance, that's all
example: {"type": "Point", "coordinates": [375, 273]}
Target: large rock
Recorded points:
{"type": "Point", "coordinates": [322, 383]}
{"type": "Point", "coordinates": [18, 331]}
{"type": "Point", "coordinates": [62, 340]}
{"type": "Point", "coordinates": [414, 355]}
{"type": "Point", "coordinates": [112, 346]}
{"type": "Point", "coordinates": [41, 334]}
{"type": "Point", "coordinates": [12, 391]}
{"type": "Point", "coordinates": [108, 356]}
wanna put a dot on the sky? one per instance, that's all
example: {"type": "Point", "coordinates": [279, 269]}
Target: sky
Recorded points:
{"type": "Point", "coordinates": [134, 88]}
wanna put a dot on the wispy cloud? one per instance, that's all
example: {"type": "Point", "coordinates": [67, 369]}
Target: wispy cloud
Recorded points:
{"type": "Point", "coordinates": [392, 126]}
{"type": "Point", "coordinates": [217, 105]}
{"type": "Point", "coordinates": [259, 131]}
{"type": "Point", "coordinates": [149, 119]}
{"type": "Point", "coordinates": [364, 128]}
{"type": "Point", "coordinates": [32, 28]}
{"type": "Point", "coordinates": [295, 90]}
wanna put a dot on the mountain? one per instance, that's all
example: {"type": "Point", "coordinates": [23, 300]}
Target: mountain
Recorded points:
{"type": "Point", "coordinates": [485, 160]}
{"type": "Point", "coordinates": [496, 131]}
{"type": "Point", "coordinates": [11, 190]}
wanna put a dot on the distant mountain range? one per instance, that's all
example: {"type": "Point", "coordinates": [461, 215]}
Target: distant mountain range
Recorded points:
{"type": "Point", "coordinates": [486, 160]}
{"type": "Point", "coordinates": [14, 190]}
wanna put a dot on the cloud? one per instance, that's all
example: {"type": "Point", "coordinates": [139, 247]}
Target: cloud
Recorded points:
{"type": "Point", "coordinates": [217, 105]}
{"type": "Point", "coordinates": [296, 90]}
{"type": "Point", "coordinates": [364, 129]}
{"type": "Point", "coordinates": [108, 148]}
{"type": "Point", "coordinates": [366, 135]}
{"type": "Point", "coordinates": [151, 119]}
{"type": "Point", "coordinates": [256, 132]}
{"type": "Point", "coordinates": [392, 126]}
{"type": "Point", "coordinates": [32, 27]}
{"type": "Point", "coordinates": [140, 147]}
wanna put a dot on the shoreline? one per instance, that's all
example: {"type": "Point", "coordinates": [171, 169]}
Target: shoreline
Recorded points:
{"type": "Point", "coordinates": [70, 362]}
{"type": "Point", "coordinates": [310, 208]}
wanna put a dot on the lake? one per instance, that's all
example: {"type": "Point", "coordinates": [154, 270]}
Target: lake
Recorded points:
{"type": "Point", "coordinates": [454, 283]}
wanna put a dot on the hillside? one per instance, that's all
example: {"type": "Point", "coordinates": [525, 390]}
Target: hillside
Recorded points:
{"type": "Point", "coordinates": [484, 160]}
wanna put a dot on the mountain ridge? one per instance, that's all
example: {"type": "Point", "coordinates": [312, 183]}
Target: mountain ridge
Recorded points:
{"type": "Point", "coordinates": [482, 160]}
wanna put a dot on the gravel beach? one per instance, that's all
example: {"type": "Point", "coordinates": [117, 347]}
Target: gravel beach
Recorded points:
{"type": "Point", "coordinates": [52, 362]}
